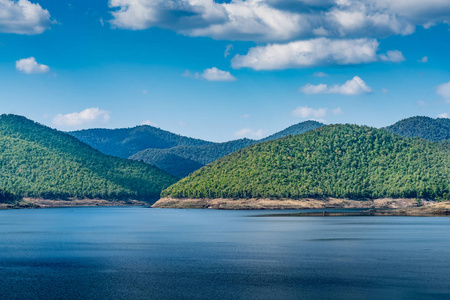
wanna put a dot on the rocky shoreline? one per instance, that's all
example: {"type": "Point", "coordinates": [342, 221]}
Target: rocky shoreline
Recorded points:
{"type": "Point", "coordinates": [308, 203]}
{"type": "Point", "coordinates": [50, 203]}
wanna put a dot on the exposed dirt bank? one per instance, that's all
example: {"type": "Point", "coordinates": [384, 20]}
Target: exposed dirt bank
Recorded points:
{"type": "Point", "coordinates": [288, 203]}
{"type": "Point", "coordinates": [47, 203]}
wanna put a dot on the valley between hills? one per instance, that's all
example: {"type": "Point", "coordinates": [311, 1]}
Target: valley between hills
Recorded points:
{"type": "Point", "coordinates": [308, 165]}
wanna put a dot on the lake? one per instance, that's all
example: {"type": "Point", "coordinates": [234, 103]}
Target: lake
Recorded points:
{"type": "Point", "coordinates": [143, 253]}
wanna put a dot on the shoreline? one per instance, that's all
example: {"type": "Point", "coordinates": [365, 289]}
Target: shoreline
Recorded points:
{"type": "Point", "coordinates": [375, 207]}
{"type": "Point", "coordinates": [33, 203]}
{"type": "Point", "coordinates": [272, 204]}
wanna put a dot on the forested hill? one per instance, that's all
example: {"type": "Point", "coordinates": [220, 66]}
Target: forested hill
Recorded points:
{"type": "Point", "coordinates": [423, 127]}
{"type": "Point", "coordinates": [205, 154]}
{"type": "Point", "coordinates": [343, 161]}
{"type": "Point", "coordinates": [294, 130]}
{"type": "Point", "coordinates": [37, 161]}
{"type": "Point", "coordinates": [183, 160]}
{"type": "Point", "coordinates": [125, 142]}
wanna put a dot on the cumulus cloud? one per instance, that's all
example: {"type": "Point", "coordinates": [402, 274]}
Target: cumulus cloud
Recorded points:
{"type": "Point", "coordinates": [337, 111]}
{"type": "Point", "coordinates": [23, 17]}
{"type": "Point", "coordinates": [392, 56]}
{"type": "Point", "coordinates": [30, 66]}
{"type": "Point", "coordinates": [249, 133]}
{"type": "Point", "coordinates": [307, 112]}
{"type": "Point", "coordinates": [87, 116]}
{"type": "Point", "coordinates": [228, 50]}
{"type": "Point", "coordinates": [215, 74]}
{"type": "Point", "coordinates": [443, 115]}
{"type": "Point", "coordinates": [280, 20]}
{"type": "Point", "coordinates": [423, 59]}
{"type": "Point", "coordinates": [444, 91]}
{"type": "Point", "coordinates": [311, 53]}
{"type": "Point", "coordinates": [354, 86]}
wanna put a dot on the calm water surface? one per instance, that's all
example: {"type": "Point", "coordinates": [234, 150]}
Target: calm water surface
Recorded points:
{"type": "Point", "coordinates": [142, 253]}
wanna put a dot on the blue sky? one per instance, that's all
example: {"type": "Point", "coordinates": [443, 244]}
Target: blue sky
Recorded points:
{"type": "Point", "coordinates": [121, 63]}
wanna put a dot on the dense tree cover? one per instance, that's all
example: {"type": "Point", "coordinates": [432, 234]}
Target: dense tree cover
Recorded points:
{"type": "Point", "coordinates": [423, 127]}
{"type": "Point", "coordinates": [183, 160]}
{"type": "Point", "coordinates": [37, 161]}
{"type": "Point", "coordinates": [164, 159]}
{"type": "Point", "coordinates": [294, 130]}
{"type": "Point", "coordinates": [344, 161]}
{"type": "Point", "coordinates": [206, 154]}
{"type": "Point", "coordinates": [125, 142]}
{"type": "Point", "coordinates": [7, 197]}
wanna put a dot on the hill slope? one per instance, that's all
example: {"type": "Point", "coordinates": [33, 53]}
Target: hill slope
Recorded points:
{"type": "Point", "coordinates": [342, 161]}
{"type": "Point", "coordinates": [423, 127]}
{"type": "Point", "coordinates": [37, 161]}
{"type": "Point", "coordinates": [206, 154]}
{"type": "Point", "coordinates": [125, 142]}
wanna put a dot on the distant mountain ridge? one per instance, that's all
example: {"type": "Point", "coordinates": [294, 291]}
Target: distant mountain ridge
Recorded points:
{"type": "Point", "coordinates": [38, 161]}
{"type": "Point", "coordinates": [423, 127]}
{"type": "Point", "coordinates": [124, 142]}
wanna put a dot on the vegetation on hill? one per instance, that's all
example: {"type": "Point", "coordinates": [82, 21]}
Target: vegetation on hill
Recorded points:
{"type": "Point", "coordinates": [342, 161]}
{"type": "Point", "coordinates": [37, 161]}
{"type": "Point", "coordinates": [125, 142]}
{"type": "Point", "coordinates": [423, 127]}
{"type": "Point", "coordinates": [183, 160]}
{"type": "Point", "coordinates": [205, 154]}
{"type": "Point", "coordinates": [294, 130]}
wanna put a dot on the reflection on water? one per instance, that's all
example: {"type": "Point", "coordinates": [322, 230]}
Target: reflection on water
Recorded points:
{"type": "Point", "coordinates": [141, 253]}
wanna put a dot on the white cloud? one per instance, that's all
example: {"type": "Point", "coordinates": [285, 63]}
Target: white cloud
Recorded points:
{"type": "Point", "coordinates": [144, 91]}
{"type": "Point", "coordinates": [307, 112]}
{"type": "Point", "coordinates": [392, 56]}
{"type": "Point", "coordinates": [280, 20]}
{"type": "Point", "coordinates": [228, 50]}
{"type": "Point", "coordinates": [423, 59]}
{"type": "Point", "coordinates": [245, 116]}
{"type": "Point", "coordinates": [320, 74]}
{"type": "Point", "coordinates": [87, 116]}
{"type": "Point", "coordinates": [444, 90]}
{"type": "Point", "coordinates": [443, 115]}
{"type": "Point", "coordinates": [385, 91]}
{"type": "Point", "coordinates": [149, 123]}
{"type": "Point", "coordinates": [315, 52]}
{"type": "Point", "coordinates": [249, 133]}
{"type": "Point", "coordinates": [354, 86]}
{"type": "Point", "coordinates": [215, 74]}
{"type": "Point", "coordinates": [189, 74]}
{"type": "Point", "coordinates": [23, 17]}
{"type": "Point", "coordinates": [30, 66]}
{"type": "Point", "coordinates": [337, 111]}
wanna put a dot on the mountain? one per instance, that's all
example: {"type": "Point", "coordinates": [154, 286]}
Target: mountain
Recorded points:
{"type": "Point", "coordinates": [341, 161]}
{"type": "Point", "coordinates": [294, 130]}
{"type": "Point", "coordinates": [125, 142]}
{"type": "Point", "coordinates": [189, 158]}
{"type": "Point", "coordinates": [37, 161]}
{"type": "Point", "coordinates": [423, 127]}
{"type": "Point", "coordinates": [205, 154]}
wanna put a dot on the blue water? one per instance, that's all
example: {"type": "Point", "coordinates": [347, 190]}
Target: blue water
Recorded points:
{"type": "Point", "coordinates": [142, 253]}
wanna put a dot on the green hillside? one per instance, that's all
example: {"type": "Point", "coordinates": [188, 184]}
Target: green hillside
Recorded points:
{"type": "Point", "coordinates": [294, 130]}
{"type": "Point", "coordinates": [125, 142]}
{"type": "Point", "coordinates": [343, 161]}
{"type": "Point", "coordinates": [37, 161]}
{"type": "Point", "coordinates": [189, 158]}
{"type": "Point", "coordinates": [423, 127]}
{"type": "Point", "coordinates": [206, 154]}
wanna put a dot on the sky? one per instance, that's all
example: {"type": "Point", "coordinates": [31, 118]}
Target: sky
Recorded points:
{"type": "Point", "coordinates": [222, 70]}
